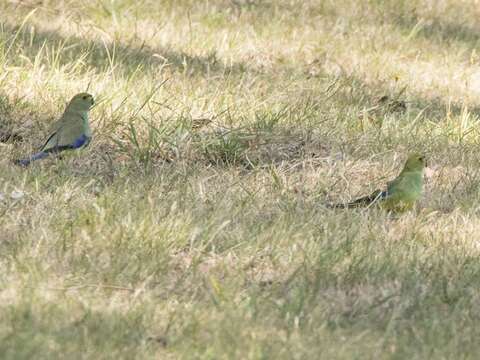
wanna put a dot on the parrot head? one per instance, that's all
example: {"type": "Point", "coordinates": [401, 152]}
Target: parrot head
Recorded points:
{"type": "Point", "coordinates": [81, 102]}
{"type": "Point", "coordinates": [415, 162]}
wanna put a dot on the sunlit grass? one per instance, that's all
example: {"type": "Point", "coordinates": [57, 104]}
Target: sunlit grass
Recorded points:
{"type": "Point", "coordinates": [195, 225]}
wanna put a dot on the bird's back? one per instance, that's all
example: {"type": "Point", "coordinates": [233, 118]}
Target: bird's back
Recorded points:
{"type": "Point", "coordinates": [404, 191]}
{"type": "Point", "coordinates": [66, 130]}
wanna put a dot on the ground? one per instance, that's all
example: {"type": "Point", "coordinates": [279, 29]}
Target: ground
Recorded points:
{"type": "Point", "coordinates": [195, 224]}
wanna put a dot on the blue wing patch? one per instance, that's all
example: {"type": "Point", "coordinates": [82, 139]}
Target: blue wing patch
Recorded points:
{"type": "Point", "coordinates": [81, 141]}
{"type": "Point", "coordinates": [78, 143]}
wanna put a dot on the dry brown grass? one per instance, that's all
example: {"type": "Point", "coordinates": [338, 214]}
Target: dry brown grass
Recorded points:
{"type": "Point", "coordinates": [195, 226]}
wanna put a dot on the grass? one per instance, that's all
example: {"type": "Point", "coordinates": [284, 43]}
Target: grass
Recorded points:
{"type": "Point", "coordinates": [194, 225]}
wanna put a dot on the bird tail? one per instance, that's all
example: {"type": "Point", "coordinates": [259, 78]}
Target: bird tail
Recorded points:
{"type": "Point", "coordinates": [360, 202]}
{"type": "Point", "coordinates": [34, 157]}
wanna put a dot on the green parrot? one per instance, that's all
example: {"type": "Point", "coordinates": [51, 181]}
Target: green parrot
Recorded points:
{"type": "Point", "coordinates": [401, 193]}
{"type": "Point", "coordinates": [70, 132]}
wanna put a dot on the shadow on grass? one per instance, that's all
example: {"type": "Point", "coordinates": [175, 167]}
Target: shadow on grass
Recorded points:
{"type": "Point", "coordinates": [438, 29]}
{"type": "Point", "coordinates": [35, 329]}
{"type": "Point", "coordinates": [271, 138]}
{"type": "Point", "coordinates": [130, 57]}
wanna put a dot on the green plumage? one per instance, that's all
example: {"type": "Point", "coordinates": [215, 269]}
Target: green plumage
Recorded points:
{"type": "Point", "coordinates": [70, 132]}
{"type": "Point", "coordinates": [72, 125]}
{"type": "Point", "coordinates": [406, 189]}
{"type": "Point", "coordinates": [402, 193]}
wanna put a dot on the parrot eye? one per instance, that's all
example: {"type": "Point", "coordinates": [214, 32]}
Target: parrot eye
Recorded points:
{"type": "Point", "coordinates": [85, 97]}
